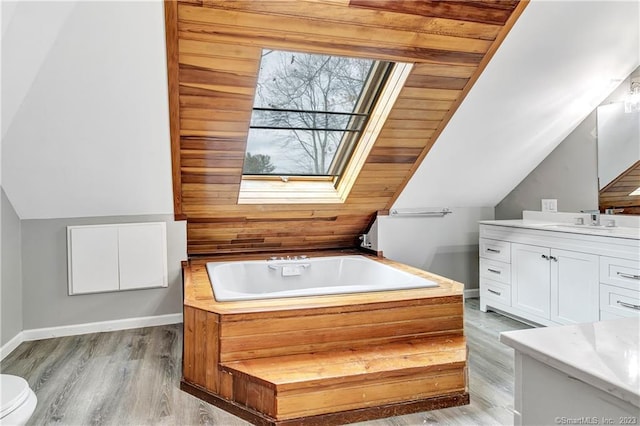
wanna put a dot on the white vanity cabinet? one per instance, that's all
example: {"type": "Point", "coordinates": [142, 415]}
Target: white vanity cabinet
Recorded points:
{"type": "Point", "coordinates": [619, 288]}
{"type": "Point", "coordinates": [554, 285]}
{"type": "Point", "coordinates": [549, 277]}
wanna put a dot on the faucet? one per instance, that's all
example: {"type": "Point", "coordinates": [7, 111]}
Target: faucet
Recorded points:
{"type": "Point", "coordinates": [594, 216]}
{"type": "Point", "coordinates": [287, 258]}
{"type": "Point", "coordinates": [613, 211]}
{"type": "Point", "coordinates": [365, 240]}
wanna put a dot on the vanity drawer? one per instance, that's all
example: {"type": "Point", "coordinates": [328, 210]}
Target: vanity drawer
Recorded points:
{"type": "Point", "coordinates": [495, 250]}
{"type": "Point", "coordinates": [498, 292]}
{"type": "Point", "coordinates": [619, 301]}
{"type": "Point", "coordinates": [620, 272]}
{"type": "Point", "coordinates": [495, 271]}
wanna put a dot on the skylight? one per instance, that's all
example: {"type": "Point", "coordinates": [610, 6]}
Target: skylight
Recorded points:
{"type": "Point", "coordinates": [309, 112]}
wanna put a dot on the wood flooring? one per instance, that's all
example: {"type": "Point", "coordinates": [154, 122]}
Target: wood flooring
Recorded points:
{"type": "Point", "coordinates": [131, 377]}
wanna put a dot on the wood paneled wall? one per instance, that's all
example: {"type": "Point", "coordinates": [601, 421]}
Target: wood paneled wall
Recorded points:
{"type": "Point", "coordinates": [213, 51]}
{"type": "Point", "coordinates": [332, 359]}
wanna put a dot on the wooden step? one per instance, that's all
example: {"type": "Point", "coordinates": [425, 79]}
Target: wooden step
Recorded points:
{"type": "Point", "coordinates": [301, 385]}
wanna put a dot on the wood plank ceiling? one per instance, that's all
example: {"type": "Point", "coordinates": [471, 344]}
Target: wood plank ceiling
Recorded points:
{"type": "Point", "coordinates": [213, 49]}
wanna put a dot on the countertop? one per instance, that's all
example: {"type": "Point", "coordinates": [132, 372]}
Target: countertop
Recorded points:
{"type": "Point", "coordinates": [603, 354]}
{"type": "Point", "coordinates": [568, 227]}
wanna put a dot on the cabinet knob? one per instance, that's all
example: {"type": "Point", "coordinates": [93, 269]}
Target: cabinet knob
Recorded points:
{"type": "Point", "coordinates": [545, 257]}
{"type": "Point", "coordinates": [555, 259]}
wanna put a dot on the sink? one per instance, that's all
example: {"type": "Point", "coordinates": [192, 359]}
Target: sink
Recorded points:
{"type": "Point", "coordinates": [588, 229]}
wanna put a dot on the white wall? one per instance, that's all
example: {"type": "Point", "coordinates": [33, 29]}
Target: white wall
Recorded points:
{"type": "Point", "coordinates": [11, 302]}
{"type": "Point", "coordinates": [560, 60]}
{"type": "Point", "coordinates": [45, 285]}
{"type": "Point", "coordinates": [569, 174]}
{"type": "Point", "coordinates": [21, 66]}
{"type": "Point", "coordinates": [85, 111]}
{"type": "Point", "coordinates": [85, 140]}
{"type": "Point", "coordinates": [446, 246]}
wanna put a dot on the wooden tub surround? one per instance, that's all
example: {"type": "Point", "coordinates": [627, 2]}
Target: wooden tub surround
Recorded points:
{"type": "Point", "coordinates": [325, 359]}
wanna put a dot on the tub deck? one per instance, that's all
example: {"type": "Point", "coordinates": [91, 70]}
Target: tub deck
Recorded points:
{"type": "Point", "coordinates": [325, 359]}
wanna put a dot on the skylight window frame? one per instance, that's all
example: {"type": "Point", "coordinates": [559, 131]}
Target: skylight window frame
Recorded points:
{"type": "Point", "coordinates": [369, 94]}
{"type": "Point", "coordinates": [377, 78]}
{"type": "Point", "coordinates": [297, 189]}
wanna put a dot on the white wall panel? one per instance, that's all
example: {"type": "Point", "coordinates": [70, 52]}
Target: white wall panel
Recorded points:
{"type": "Point", "coordinates": [93, 259]}
{"type": "Point", "coordinates": [142, 255]}
{"type": "Point", "coordinates": [116, 257]}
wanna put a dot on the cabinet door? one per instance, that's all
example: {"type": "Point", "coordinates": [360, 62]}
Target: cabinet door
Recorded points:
{"type": "Point", "coordinates": [142, 256]}
{"type": "Point", "coordinates": [574, 287]}
{"type": "Point", "coordinates": [530, 279]}
{"type": "Point", "coordinates": [93, 259]}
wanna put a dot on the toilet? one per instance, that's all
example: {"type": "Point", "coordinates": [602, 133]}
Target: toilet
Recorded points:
{"type": "Point", "coordinates": [17, 400]}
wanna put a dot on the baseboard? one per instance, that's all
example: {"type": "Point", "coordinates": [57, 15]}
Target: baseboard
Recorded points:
{"type": "Point", "coordinates": [8, 347]}
{"type": "Point", "coordinates": [471, 293]}
{"type": "Point", "coordinates": [92, 327]}
{"type": "Point", "coordinates": [99, 327]}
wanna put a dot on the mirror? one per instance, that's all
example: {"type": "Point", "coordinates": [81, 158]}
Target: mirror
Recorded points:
{"type": "Point", "coordinates": [618, 158]}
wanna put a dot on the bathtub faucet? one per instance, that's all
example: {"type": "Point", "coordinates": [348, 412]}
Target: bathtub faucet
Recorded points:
{"type": "Point", "coordinates": [288, 258]}
{"type": "Point", "coordinates": [288, 266]}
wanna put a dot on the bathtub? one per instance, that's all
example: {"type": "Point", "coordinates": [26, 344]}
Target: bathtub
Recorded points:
{"type": "Point", "coordinates": [273, 279]}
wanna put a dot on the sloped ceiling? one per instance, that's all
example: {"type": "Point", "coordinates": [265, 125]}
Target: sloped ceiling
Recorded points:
{"type": "Point", "coordinates": [53, 167]}
{"type": "Point", "coordinates": [214, 51]}
{"type": "Point", "coordinates": [85, 122]}
{"type": "Point", "coordinates": [558, 63]}
{"type": "Point", "coordinates": [20, 67]}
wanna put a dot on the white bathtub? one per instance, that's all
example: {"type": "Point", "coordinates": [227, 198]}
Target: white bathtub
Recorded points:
{"type": "Point", "coordinates": [272, 279]}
